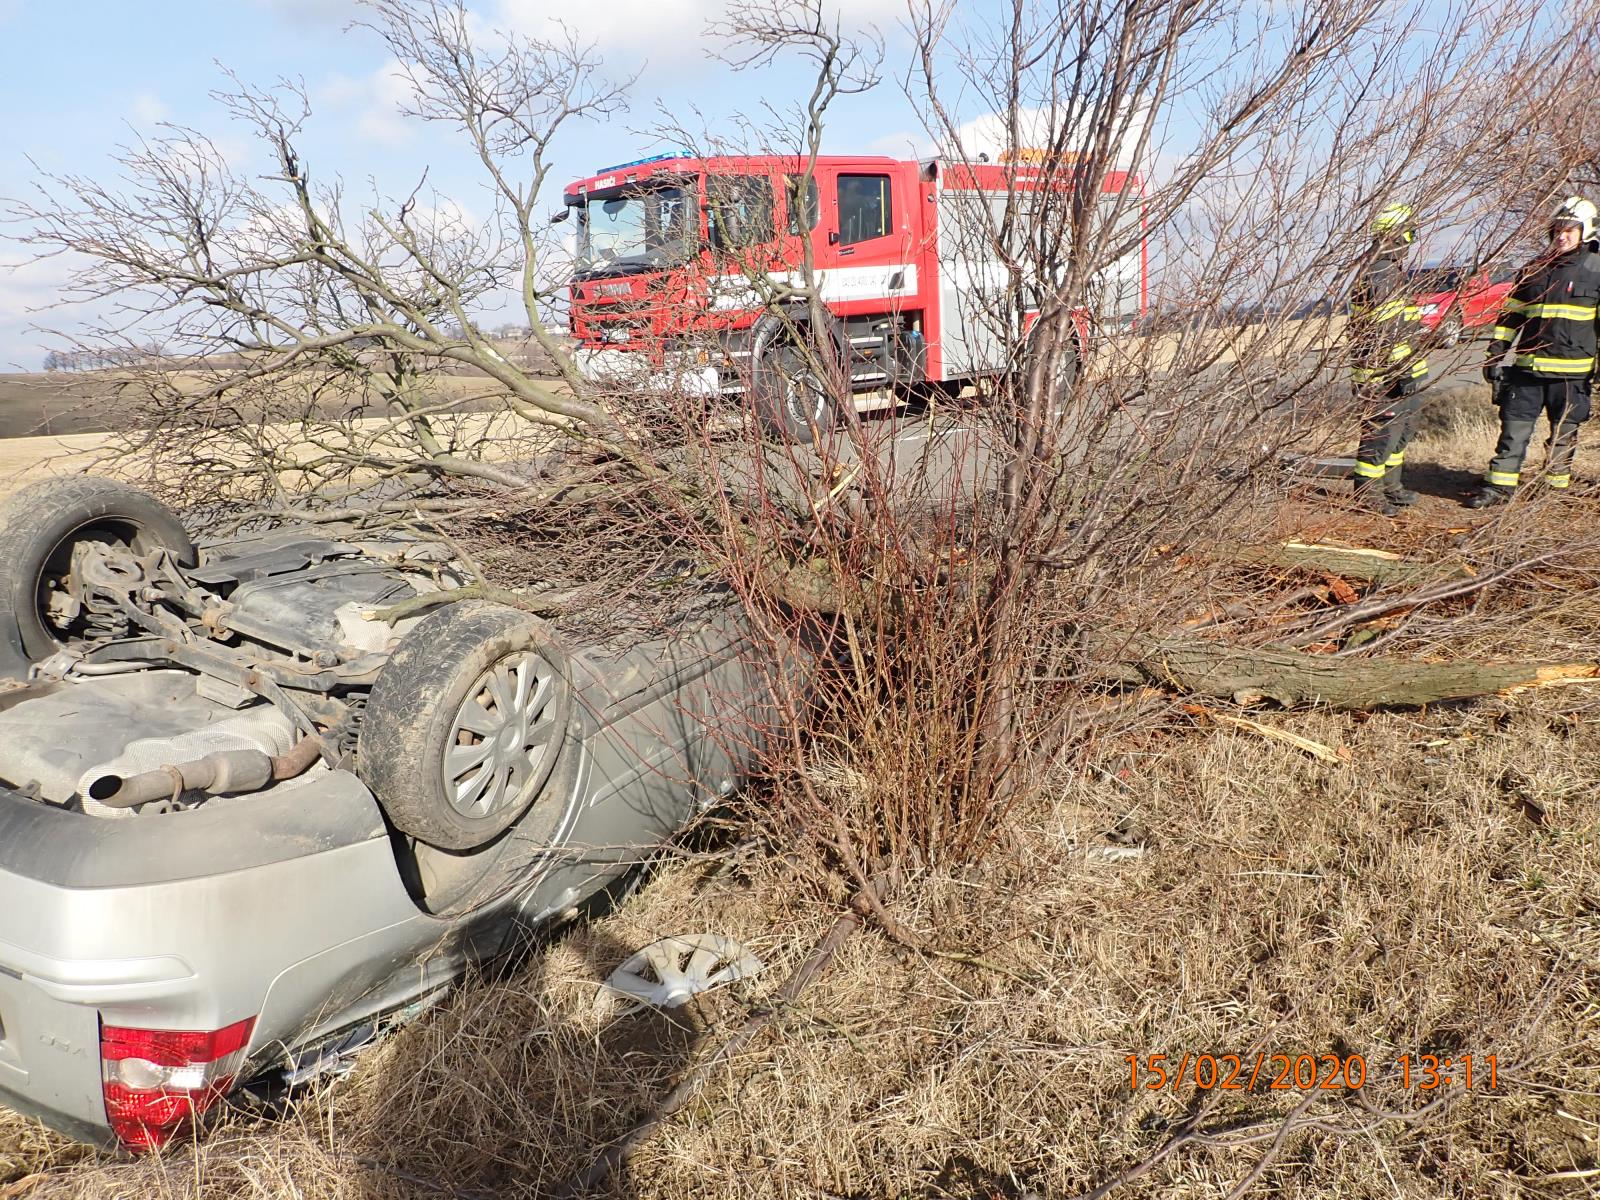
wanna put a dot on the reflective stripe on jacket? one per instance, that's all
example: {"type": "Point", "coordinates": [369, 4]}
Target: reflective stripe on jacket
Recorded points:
{"type": "Point", "coordinates": [1553, 315]}
{"type": "Point", "coordinates": [1385, 326]}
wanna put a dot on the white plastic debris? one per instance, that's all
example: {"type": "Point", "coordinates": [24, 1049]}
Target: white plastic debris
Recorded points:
{"type": "Point", "coordinates": [670, 972]}
{"type": "Point", "coordinates": [1111, 854]}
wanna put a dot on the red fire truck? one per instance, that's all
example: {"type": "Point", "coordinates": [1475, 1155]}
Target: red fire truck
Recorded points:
{"type": "Point", "coordinates": [690, 275]}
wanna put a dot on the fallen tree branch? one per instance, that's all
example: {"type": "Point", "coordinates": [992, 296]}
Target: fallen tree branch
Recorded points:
{"type": "Point", "coordinates": [1288, 1127]}
{"type": "Point", "coordinates": [473, 591]}
{"type": "Point", "coordinates": [1291, 677]}
{"type": "Point", "coordinates": [1380, 606]}
{"type": "Point", "coordinates": [1376, 566]}
{"type": "Point", "coordinates": [1315, 749]}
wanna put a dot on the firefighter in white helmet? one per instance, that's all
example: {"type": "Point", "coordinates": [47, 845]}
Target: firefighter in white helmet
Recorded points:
{"type": "Point", "coordinates": [1552, 317]}
{"type": "Point", "coordinates": [1387, 368]}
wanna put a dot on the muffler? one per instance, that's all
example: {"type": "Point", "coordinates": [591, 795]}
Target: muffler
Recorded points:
{"type": "Point", "coordinates": [218, 773]}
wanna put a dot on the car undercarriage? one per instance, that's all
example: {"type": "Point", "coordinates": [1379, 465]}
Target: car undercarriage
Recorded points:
{"type": "Point", "coordinates": [258, 793]}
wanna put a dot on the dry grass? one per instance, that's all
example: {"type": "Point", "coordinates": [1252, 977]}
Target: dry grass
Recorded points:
{"type": "Point", "coordinates": [1458, 426]}
{"type": "Point", "coordinates": [1437, 892]}
{"type": "Point", "coordinates": [1435, 888]}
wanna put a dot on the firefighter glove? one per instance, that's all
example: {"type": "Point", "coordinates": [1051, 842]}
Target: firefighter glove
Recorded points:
{"type": "Point", "coordinates": [1492, 371]}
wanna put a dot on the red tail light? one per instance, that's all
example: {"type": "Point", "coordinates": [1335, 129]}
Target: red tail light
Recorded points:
{"type": "Point", "coordinates": [158, 1080]}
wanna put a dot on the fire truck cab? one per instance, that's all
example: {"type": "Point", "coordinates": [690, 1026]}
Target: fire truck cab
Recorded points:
{"type": "Point", "coordinates": [691, 275]}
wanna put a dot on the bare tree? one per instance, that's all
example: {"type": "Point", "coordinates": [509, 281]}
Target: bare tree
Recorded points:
{"type": "Point", "coordinates": [1074, 522]}
{"type": "Point", "coordinates": [984, 592]}
{"type": "Point", "coordinates": [283, 286]}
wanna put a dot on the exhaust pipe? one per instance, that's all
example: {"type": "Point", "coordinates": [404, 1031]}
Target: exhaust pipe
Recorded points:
{"type": "Point", "coordinates": [217, 773]}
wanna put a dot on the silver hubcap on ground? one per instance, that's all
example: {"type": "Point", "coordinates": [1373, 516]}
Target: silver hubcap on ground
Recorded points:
{"type": "Point", "coordinates": [674, 970]}
{"type": "Point", "coordinates": [503, 732]}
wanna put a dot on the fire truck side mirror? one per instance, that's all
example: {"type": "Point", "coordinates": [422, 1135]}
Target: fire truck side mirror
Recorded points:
{"type": "Point", "coordinates": [561, 214]}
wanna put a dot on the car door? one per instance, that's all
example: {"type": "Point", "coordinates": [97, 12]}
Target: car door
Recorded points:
{"type": "Point", "coordinates": [1481, 304]}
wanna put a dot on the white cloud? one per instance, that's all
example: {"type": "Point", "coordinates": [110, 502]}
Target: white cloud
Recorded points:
{"type": "Point", "coordinates": [669, 34]}
{"type": "Point", "coordinates": [907, 143]}
{"type": "Point", "coordinates": [340, 90]}
{"type": "Point", "coordinates": [31, 283]}
{"type": "Point", "coordinates": [27, 287]}
{"type": "Point", "coordinates": [654, 26]}
{"type": "Point", "coordinates": [383, 119]}
{"type": "Point", "coordinates": [148, 109]}
{"type": "Point", "coordinates": [373, 103]}
{"type": "Point", "coordinates": [990, 133]}
{"type": "Point", "coordinates": [310, 13]}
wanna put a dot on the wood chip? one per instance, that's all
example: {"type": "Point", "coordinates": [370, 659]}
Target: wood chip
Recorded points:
{"type": "Point", "coordinates": [1386, 555]}
{"type": "Point", "coordinates": [1315, 749]}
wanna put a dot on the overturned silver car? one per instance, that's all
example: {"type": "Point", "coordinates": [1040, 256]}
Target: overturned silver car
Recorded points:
{"type": "Point", "coordinates": [257, 794]}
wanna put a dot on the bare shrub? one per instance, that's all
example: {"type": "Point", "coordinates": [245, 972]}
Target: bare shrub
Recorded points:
{"type": "Point", "coordinates": [982, 592]}
{"type": "Point", "coordinates": [976, 608]}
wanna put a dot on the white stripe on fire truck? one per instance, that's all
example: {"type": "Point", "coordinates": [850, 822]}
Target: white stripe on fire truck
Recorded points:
{"type": "Point", "coordinates": [835, 283]}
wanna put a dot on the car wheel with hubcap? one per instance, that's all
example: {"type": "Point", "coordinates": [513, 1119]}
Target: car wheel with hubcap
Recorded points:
{"type": "Point", "coordinates": [465, 724]}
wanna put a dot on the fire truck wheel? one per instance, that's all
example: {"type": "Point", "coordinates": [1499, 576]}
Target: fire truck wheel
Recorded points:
{"type": "Point", "coordinates": [791, 399]}
{"type": "Point", "coordinates": [1063, 377]}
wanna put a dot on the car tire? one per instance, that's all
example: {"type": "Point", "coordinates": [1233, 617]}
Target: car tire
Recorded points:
{"type": "Point", "coordinates": [465, 724]}
{"type": "Point", "coordinates": [1063, 378]}
{"type": "Point", "coordinates": [452, 883]}
{"type": "Point", "coordinates": [1069, 364]}
{"type": "Point", "coordinates": [39, 527]}
{"type": "Point", "coordinates": [791, 401]}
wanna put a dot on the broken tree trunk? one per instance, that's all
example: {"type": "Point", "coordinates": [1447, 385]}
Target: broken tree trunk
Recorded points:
{"type": "Point", "coordinates": [1378, 566]}
{"type": "Point", "coordinates": [1291, 678]}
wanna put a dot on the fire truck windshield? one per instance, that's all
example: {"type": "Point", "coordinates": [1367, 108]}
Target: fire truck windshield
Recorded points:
{"type": "Point", "coordinates": [637, 230]}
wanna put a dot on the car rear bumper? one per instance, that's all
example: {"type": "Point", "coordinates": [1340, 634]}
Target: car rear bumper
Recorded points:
{"type": "Point", "coordinates": [184, 922]}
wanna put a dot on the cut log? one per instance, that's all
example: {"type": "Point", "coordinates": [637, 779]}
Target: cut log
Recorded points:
{"type": "Point", "coordinates": [1376, 566]}
{"type": "Point", "coordinates": [1292, 678]}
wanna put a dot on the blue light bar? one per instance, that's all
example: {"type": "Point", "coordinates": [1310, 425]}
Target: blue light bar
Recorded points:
{"type": "Point", "coordinates": [639, 162]}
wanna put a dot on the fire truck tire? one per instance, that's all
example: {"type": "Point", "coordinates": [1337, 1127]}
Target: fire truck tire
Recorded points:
{"type": "Point", "coordinates": [1064, 377]}
{"type": "Point", "coordinates": [791, 400]}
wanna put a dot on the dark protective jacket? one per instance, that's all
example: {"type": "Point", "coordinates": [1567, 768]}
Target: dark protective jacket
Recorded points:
{"type": "Point", "coordinates": [1552, 316]}
{"type": "Point", "coordinates": [1385, 328]}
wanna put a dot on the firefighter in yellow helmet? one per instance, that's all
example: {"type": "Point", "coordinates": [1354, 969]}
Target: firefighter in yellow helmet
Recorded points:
{"type": "Point", "coordinates": [1387, 368]}
{"type": "Point", "coordinates": [1552, 317]}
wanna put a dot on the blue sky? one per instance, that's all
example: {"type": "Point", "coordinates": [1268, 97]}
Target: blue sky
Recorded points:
{"type": "Point", "coordinates": [83, 76]}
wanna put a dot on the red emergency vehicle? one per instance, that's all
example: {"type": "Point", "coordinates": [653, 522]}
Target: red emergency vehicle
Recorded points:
{"type": "Point", "coordinates": [1458, 301]}
{"type": "Point", "coordinates": [690, 272]}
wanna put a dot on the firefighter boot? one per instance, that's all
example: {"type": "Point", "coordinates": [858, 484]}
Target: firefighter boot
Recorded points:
{"type": "Point", "coordinates": [1490, 494]}
{"type": "Point", "coordinates": [1370, 494]}
{"type": "Point", "coordinates": [1396, 492]}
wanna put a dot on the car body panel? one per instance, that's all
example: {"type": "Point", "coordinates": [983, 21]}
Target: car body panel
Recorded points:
{"type": "Point", "coordinates": [294, 905]}
{"type": "Point", "coordinates": [1476, 296]}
